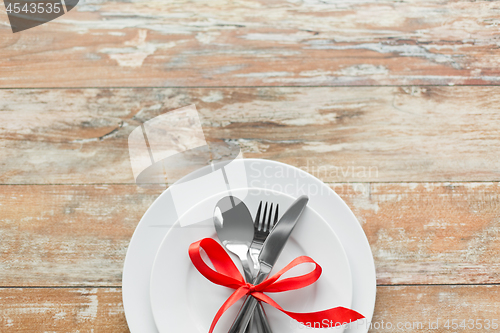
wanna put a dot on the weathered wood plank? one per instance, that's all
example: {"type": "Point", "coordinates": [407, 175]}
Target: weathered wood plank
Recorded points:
{"type": "Point", "coordinates": [255, 43]}
{"type": "Point", "coordinates": [68, 235]}
{"type": "Point", "coordinates": [62, 310]}
{"type": "Point", "coordinates": [361, 134]}
{"type": "Point", "coordinates": [412, 307]}
{"type": "Point", "coordinates": [431, 233]}
{"type": "Point", "coordinates": [101, 310]}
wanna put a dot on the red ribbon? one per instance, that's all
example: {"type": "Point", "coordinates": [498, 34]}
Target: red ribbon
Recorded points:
{"type": "Point", "coordinates": [226, 274]}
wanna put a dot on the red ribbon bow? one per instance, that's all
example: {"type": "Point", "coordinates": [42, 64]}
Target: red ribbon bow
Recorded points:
{"type": "Point", "coordinates": [226, 274]}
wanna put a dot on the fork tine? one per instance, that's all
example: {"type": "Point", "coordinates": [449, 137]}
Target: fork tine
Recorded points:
{"type": "Point", "coordinates": [273, 223]}
{"type": "Point", "coordinates": [268, 222]}
{"type": "Point", "coordinates": [257, 218]}
{"type": "Point", "coordinates": [262, 222]}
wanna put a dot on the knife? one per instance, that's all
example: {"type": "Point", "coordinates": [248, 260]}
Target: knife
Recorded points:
{"type": "Point", "coordinates": [269, 254]}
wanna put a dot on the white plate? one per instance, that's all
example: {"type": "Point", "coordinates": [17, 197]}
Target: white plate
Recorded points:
{"type": "Point", "coordinates": [159, 218]}
{"type": "Point", "coordinates": [184, 301]}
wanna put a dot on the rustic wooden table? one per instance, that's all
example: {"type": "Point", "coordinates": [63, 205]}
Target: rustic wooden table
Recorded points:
{"type": "Point", "coordinates": [400, 99]}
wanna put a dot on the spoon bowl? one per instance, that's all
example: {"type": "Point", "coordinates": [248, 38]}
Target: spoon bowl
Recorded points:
{"type": "Point", "coordinates": [234, 226]}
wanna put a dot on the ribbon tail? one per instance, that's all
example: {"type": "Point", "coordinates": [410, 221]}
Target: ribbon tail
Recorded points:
{"type": "Point", "coordinates": [239, 293]}
{"type": "Point", "coordinates": [320, 319]}
{"type": "Point", "coordinates": [327, 318]}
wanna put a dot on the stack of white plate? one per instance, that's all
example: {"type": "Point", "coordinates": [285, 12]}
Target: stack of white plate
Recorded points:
{"type": "Point", "coordinates": [163, 292]}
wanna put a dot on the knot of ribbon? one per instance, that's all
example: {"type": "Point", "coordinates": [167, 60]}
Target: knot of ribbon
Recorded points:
{"type": "Point", "coordinates": [226, 274]}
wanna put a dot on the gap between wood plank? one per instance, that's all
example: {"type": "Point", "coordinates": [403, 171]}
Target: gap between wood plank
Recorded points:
{"type": "Point", "coordinates": [252, 87]}
{"type": "Point", "coordinates": [327, 183]}
{"type": "Point", "coordinates": [378, 285]}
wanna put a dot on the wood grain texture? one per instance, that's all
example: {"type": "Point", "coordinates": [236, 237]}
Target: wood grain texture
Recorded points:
{"type": "Point", "coordinates": [431, 233]}
{"type": "Point", "coordinates": [415, 306]}
{"type": "Point", "coordinates": [366, 134]}
{"type": "Point", "coordinates": [417, 162]}
{"type": "Point", "coordinates": [68, 235]}
{"type": "Point", "coordinates": [257, 43]}
{"type": "Point", "coordinates": [68, 310]}
{"type": "Point", "coordinates": [100, 309]}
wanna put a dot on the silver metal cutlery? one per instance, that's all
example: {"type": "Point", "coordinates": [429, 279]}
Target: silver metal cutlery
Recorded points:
{"type": "Point", "coordinates": [235, 229]}
{"type": "Point", "coordinates": [269, 254]}
{"type": "Point", "coordinates": [265, 220]}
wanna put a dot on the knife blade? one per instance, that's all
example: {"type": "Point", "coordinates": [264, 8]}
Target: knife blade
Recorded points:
{"type": "Point", "coordinates": [271, 250]}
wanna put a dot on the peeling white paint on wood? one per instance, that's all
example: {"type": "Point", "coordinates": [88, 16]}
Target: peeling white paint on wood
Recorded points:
{"type": "Point", "coordinates": [261, 43]}
{"type": "Point", "coordinates": [61, 310]}
{"type": "Point", "coordinates": [439, 232]}
{"type": "Point", "coordinates": [419, 233]}
{"type": "Point", "coordinates": [393, 304]}
{"type": "Point", "coordinates": [404, 134]}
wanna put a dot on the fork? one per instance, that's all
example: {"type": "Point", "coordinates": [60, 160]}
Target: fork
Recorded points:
{"type": "Point", "coordinates": [262, 227]}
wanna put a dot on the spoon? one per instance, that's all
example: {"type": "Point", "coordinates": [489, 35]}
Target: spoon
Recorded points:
{"type": "Point", "coordinates": [234, 226]}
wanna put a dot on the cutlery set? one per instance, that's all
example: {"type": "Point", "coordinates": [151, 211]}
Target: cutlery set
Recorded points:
{"type": "Point", "coordinates": [163, 294]}
{"type": "Point", "coordinates": [261, 241]}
